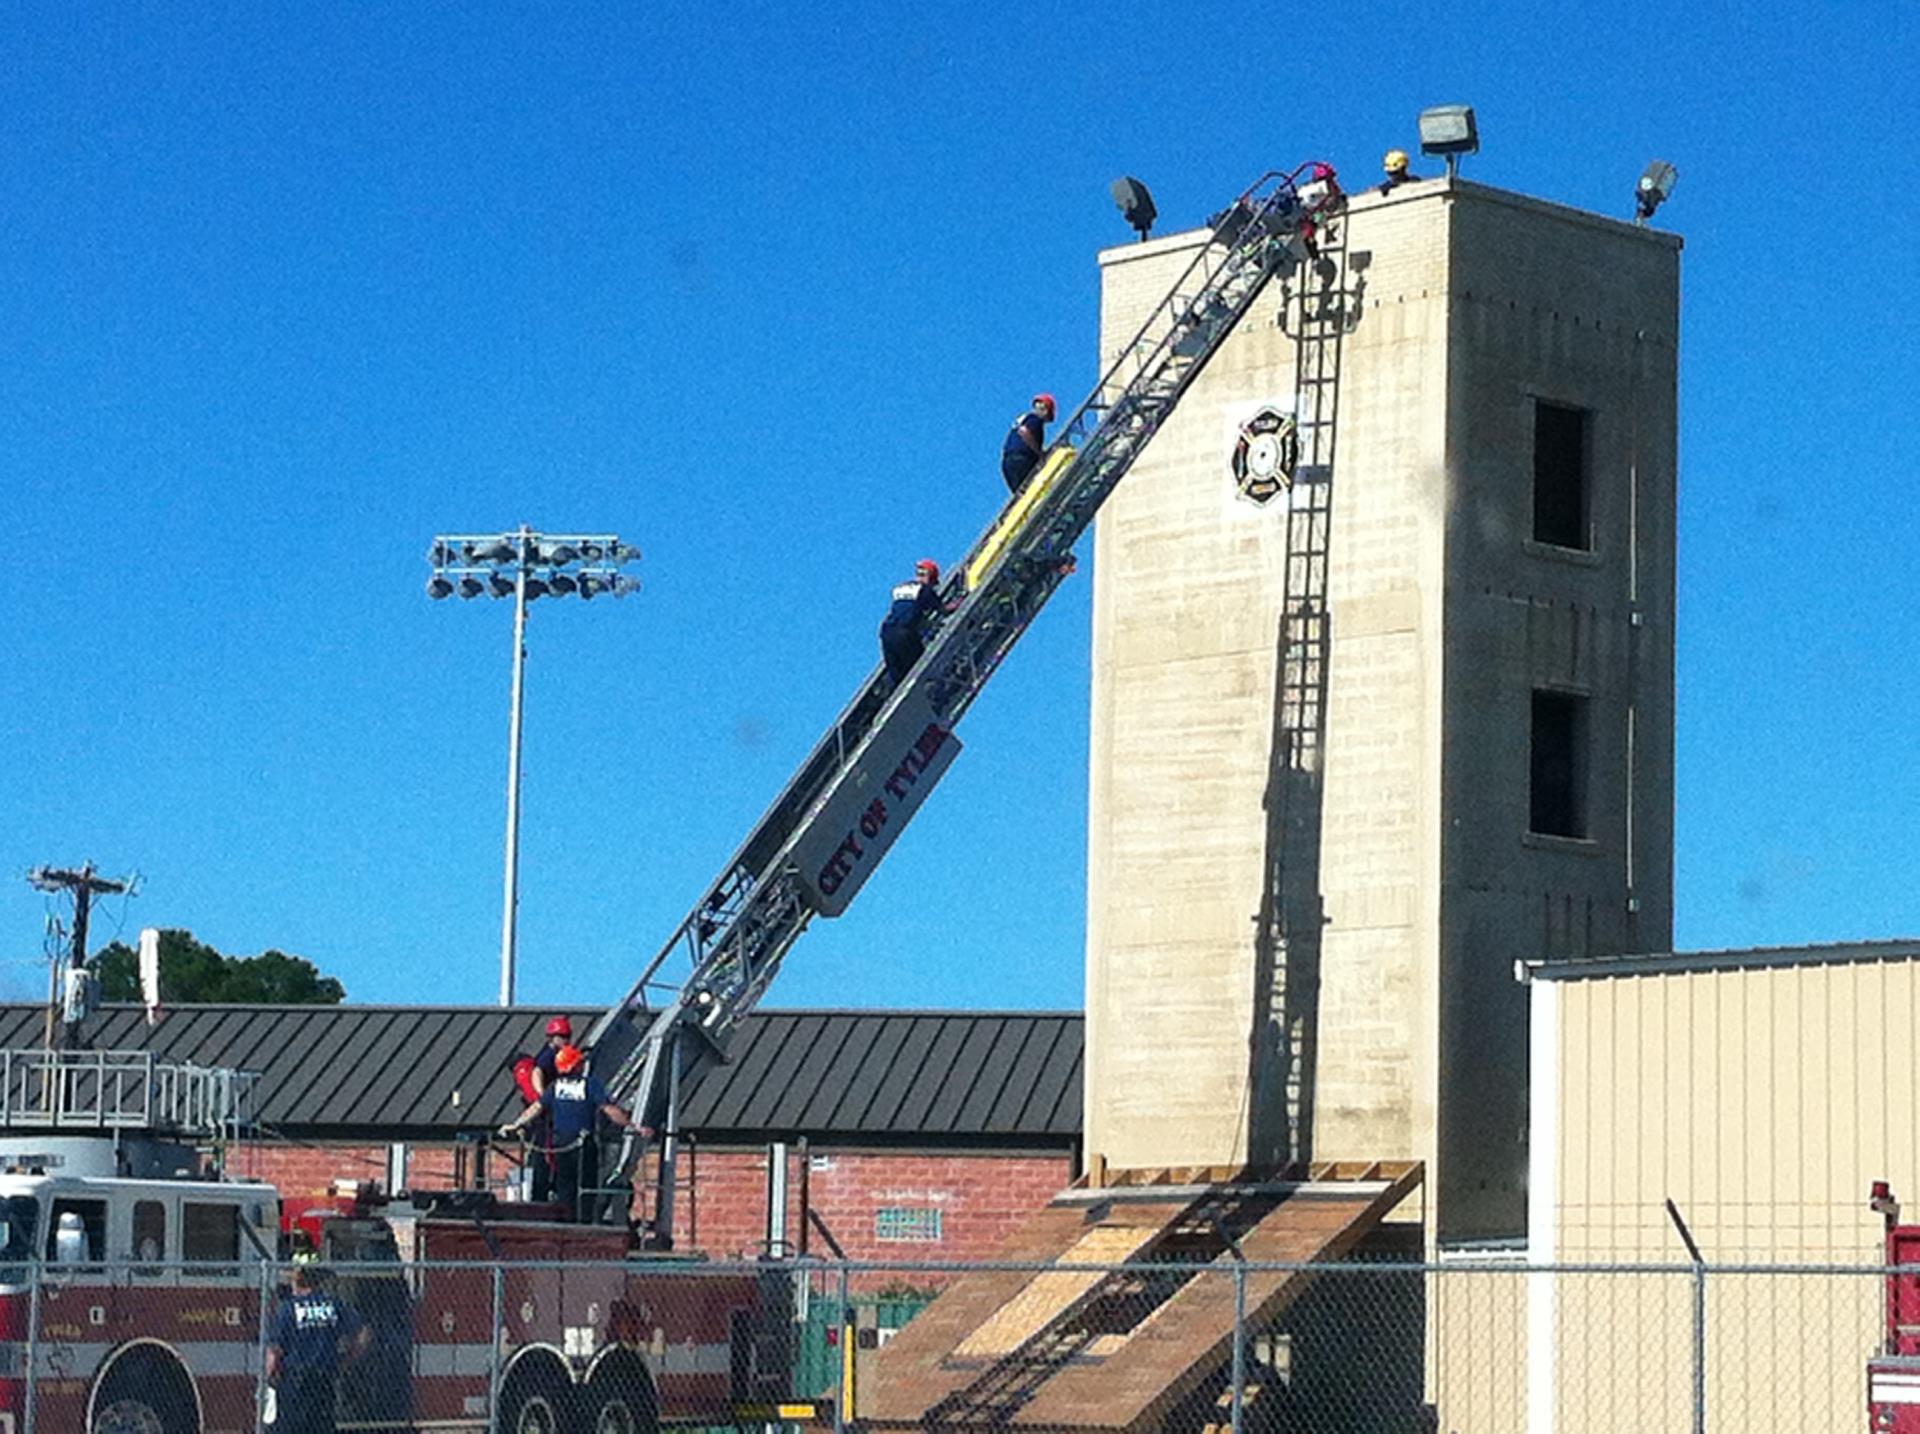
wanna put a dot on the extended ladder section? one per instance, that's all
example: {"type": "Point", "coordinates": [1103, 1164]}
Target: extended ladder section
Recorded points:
{"type": "Point", "coordinates": [849, 800]}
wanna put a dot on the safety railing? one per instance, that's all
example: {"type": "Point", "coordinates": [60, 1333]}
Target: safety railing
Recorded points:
{"type": "Point", "coordinates": [121, 1090]}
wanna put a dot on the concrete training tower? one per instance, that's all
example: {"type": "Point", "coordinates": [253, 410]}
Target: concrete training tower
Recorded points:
{"type": "Point", "coordinates": [1359, 748]}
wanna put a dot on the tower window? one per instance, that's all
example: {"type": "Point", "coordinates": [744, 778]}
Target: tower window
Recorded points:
{"type": "Point", "coordinates": [1558, 756]}
{"type": "Point", "coordinates": [1560, 476]}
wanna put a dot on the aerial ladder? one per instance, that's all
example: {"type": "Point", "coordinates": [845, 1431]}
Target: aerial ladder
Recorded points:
{"type": "Point", "coordinates": [846, 805]}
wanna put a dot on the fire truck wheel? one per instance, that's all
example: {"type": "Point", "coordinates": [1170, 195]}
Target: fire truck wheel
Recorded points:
{"type": "Point", "coordinates": [144, 1393]}
{"type": "Point", "coordinates": [536, 1394]}
{"type": "Point", "coordinates": [620, 1397]}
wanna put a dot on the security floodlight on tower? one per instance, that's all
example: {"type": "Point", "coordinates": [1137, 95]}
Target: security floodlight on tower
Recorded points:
{"type": "Point", "coordinates": [1136, 205]}
{"type": "Point", "coordinates": [1449, 130]}
{"type": "Point", "coordinates": [525, 565]}
{"type": "Point", "coordinates": [1653, 190]}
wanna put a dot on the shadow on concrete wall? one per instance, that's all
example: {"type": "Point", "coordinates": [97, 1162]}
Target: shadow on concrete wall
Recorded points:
{"type": "Point", "coordinates": [1325, 307]}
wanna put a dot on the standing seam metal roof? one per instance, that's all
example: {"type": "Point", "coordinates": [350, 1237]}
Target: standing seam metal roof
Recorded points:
{"type": "Point", "coordinates": [377, 1071]}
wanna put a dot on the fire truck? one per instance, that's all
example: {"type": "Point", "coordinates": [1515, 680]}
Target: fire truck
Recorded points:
{"type": "Point", "coordinates": [137, 1285]}
{"type": "Point", "coordinates": [1893, 1375]}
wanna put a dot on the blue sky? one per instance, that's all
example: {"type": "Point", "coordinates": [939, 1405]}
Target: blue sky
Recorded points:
{"type": "Point", "coordinates": [291, 288]}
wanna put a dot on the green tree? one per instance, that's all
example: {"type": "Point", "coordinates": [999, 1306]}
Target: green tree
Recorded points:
{"type": "Point", "coordinates": [193, 971]}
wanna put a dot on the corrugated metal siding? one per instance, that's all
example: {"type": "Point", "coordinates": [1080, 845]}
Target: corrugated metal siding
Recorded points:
{"type": "Point", "coordinates": [1764, 1097]}
{"type": "Point", "coordinates": [379, 1070]}
{"type": "Point", "coordinates": [1763, 1100]}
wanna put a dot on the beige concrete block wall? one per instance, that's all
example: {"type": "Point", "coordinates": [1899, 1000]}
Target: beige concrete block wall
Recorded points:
{"type": "Point", "coordinates": [1189, 582]}
{"type": "Point", "coordinates": [1551, 304]}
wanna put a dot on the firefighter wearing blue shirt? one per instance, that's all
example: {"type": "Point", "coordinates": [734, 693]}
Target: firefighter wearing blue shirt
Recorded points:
{"type": "Point", "coordinates": [572, 1103]}
{"type": "Point", "coordinates": [901, 642]}
{"type": "Point", "coordinates": [1026, 441]}
{"type": "Point", "coordinates": [559, 1033]}
{"type": "Point", "coordinates": [314, 1336]}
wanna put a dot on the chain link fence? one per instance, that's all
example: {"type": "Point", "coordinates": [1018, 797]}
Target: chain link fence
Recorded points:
{"type": "Point", "coordinates": [624, 1347]}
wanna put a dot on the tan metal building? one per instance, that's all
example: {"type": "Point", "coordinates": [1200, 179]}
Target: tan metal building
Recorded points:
{"type": "Point", "coordinates": [1762, 1092]}
{"type": "Point", "coordinates": [1325, 823]}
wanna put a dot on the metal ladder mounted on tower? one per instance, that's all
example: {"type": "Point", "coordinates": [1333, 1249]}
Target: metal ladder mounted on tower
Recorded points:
{"type": "Point", "coordinates": [856, 791]}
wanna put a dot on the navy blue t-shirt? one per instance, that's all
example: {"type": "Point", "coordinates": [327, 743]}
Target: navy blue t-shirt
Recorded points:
{"type": "Point", "coordinates": [1017, 460]}
{"type": "Point", "coordinates": [308, 1330]}
{"type": "Point", "coordinates": [572, 1101]}
{"type": "Point", "coordinates": [911, 604]}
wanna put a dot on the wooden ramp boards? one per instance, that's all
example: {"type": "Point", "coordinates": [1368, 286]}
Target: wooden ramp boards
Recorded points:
{"type": "Point", "coordinates": [1084, 1348]}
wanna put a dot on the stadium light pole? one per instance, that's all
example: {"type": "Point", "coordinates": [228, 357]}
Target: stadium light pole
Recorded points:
{"type": "Point", "coordinates": [525, 565]}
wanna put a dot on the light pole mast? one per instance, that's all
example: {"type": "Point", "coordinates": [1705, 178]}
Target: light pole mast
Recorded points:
{"type": "Point", "coordinates": [510, 913]}
{"type": "Point", "coordinates": [525, 565]}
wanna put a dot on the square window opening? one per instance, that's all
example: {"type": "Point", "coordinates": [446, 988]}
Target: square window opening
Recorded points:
{"type": "Point", "coordinates": [1558, 775]}
{"type": "Point", "coordinates": [1560, 476]}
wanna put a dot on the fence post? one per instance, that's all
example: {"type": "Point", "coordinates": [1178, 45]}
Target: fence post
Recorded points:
{"type": "Point", "coordinates": [1699, 1348]}
{"type": "Point", "coordinates": [494, 1328]}
{"type": "Point", "coordinates": [260, 1348]}
{"type": "Point", "coordinates": [38, 1270]}
{"type": "Point", "coordinates": [843, 1314]}
{"type": "Point", "coordinates": [1239, 1343]}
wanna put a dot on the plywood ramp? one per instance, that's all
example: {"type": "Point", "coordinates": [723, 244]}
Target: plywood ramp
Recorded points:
{"type": "Point", "coordinates": [1067, 1349]}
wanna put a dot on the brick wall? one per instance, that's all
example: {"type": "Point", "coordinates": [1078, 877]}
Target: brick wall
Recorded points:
{"type": "Point", "coordinates": [297, 1170]}
{"type": "Point", "coordinates": [979, 1199]}
{"type": "Point", "coordinates": [976, 1199]}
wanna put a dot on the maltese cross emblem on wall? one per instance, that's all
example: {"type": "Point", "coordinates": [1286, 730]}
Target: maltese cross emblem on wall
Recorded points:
{"type": "Point", "coordinates": [1265, 455]}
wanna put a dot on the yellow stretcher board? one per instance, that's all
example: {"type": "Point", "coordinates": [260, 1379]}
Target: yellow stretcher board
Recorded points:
{"type": "Point", "coordinates": [1016, 517]}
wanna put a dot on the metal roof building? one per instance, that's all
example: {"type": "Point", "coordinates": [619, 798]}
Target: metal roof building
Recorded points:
{"type": "Point", "coordinates": [958, 1079]}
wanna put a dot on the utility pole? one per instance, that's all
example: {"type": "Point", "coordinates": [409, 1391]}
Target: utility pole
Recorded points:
{"type": "Point", "coordinates": [82, 885]}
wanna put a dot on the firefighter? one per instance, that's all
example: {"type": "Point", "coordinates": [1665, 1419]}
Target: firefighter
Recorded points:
{"type": "Point", "coordinates": [572, 1102]}
{"type": "Point", "coordinates": [314, 1337]}
{"type": "Point", "coordinates": [1398, 174]}
{"type": "Point", "coordinates": [1026, 441]}
{"type": "Point", "coordinates": [901, 642]}
{"type": "Point", "coordinates": [540, 1138]}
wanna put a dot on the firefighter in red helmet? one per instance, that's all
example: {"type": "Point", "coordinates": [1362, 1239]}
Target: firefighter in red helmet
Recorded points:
{"type": "Point", "coordinates": [1025, 442]}
{"type": "Point", "coordinates": [573, 1106]}
{"type": "Point", "coordinates": [902, 629]}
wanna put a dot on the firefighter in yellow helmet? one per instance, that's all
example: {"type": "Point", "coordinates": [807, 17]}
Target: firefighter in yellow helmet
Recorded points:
{"type": "Point", "coordinates": [1398, 174]}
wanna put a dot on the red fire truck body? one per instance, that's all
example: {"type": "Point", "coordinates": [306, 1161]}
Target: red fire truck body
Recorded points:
{"type": "Point", "coordinates": [1893, 1375]}
{"type": "Point", "coordinates": [150, 1313]}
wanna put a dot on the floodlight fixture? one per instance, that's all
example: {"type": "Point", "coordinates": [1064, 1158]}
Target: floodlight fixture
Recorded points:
{"type": "Point", "coordinates": [1449, 130]}
{"type": "Point", "coordinates": [525, 565]}
{"type": "Point", "coordinates": [1653, 190]}
{"type": "Point", "coordinates": [1136, 204]}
